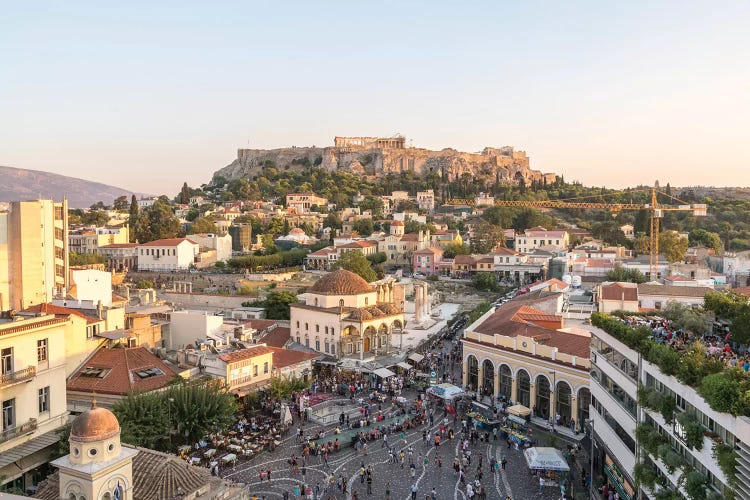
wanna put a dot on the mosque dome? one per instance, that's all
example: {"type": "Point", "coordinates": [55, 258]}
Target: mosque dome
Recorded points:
{"type": "Point", "coordinates": [341, 282]}
{"type": "Point", "coordinates": [95, 424]}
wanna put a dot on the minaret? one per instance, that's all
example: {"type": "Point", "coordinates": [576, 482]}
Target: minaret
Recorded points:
{"type": "Point", "coordinates": [98, 467]}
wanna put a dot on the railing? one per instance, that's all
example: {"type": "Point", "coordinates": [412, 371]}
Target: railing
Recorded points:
{"type": "Point", "coordinates": [18, 376]}
{"type": "Point", "coordinates": [15, 432]}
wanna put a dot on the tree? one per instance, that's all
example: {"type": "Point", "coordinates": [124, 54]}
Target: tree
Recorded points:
{"type": "Point", "coordinates": [673, 246]}
{"type": "Point", "coordinates": [184, 196]}
{"type": "Point", "coordinates": [356, 262]}
{"type": "Point", "coordinates": [486, 238]}
{"type": "Point", "coordinates": [155, 222]}
{"type": "Point", "coordinates": [121, 203]}
{"type": "Point", "coordinates": [96, 218]}
{"type": "Point", "coordinates": [144, 284]}
{"type": "Point", "coordinates": [277, 304]}
{"type": "Point", "coordinates": [203, 225]}
{"type": "Point", "coordinates": [364, 227]}
{"type": "Point", "coordinates": [133, 208]}
{"type": "Point", "coordinates": [707, 239]}
{"type": "Point", "coordinates": [641, 244]}
{"type": "Point", "coordinates": [332, 220]}
{"type": "Point", "coordinates": [83, 259]}
{"type": "Point", "coordinates": [485, 281]}
{"type": "Point", "coordinates": [455, 249]}
{"type": "Point", "coordinates": [625, 275]}
{"type": "Point", "coordinates": [412, 226]}
{"type": "Point", "coordinates": [688, 318]}
{"type": "Point", "coordinates": [377, 258]}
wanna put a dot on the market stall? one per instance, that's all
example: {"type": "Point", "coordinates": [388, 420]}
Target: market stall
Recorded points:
{"type": "Point", "coordinates": [519, 410]}
{"type": "Point", "coordinates": [483, 415]}
{"type": "Point", "coordinates": [548, 463]}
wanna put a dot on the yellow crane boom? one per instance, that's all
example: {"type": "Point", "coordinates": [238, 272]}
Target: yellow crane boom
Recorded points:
{"type": "Point", "coordinates": [656, 212]}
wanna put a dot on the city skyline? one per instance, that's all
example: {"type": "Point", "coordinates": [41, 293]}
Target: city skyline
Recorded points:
{"type": "Point", "coordinates": [145, 99]}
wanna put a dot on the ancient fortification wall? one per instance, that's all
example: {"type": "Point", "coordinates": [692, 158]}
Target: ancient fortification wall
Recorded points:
{"type": "Point", "coordinates": [378, 156]}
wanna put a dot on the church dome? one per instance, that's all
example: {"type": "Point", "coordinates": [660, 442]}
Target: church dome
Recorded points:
{"type": "Point", "coordinates": [341, 282]}
{"type": "Point", "coordinates": [96, 424]}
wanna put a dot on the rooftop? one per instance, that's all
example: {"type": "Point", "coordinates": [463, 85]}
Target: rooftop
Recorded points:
{"type": "Point", "coordinates": [341, 282]}
{"type": "Point", "coordinates": [243, 354]}
{"type": "Point", "coordinates": [168, 242]}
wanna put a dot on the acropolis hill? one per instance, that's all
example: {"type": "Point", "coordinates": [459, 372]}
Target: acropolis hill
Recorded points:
{"type": "Point", "coordinates": [380, 155]}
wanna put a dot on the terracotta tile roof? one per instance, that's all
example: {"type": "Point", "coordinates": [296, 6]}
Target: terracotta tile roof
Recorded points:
{"type": "Point", "coordinates": [485, 260]}
{"type": "Point", "coordinates": [124, 364]}
{"type": "Point", "coordinates": [168, 242]}
{"type": "Point", "coordinates": [48, 308]}
{"type": "Point", "coordinates": [243, 354]}
{"type": "Point", "coordinates": [427, 251]}
{"type": "Point", "coordinates": [359, 244]}
{"type": "Point", "coordinates": [526, 313]}
{"type": "Point", "coordinates": [259, 324]}
{"type": "Point", "coordinates": [620, 291]}
{"type": "Point", "coordinates": [464, 259]}
{"type": "Point", "coordinates": [277, 337]}
{"type": "Point", "coordinates": [569, 343]}
{"type": "Point", "coordinates": [506, 251]}
{"type": "Point", "coordinates": [397, 223]}
{"type": "Point", "coordinates": [678, 278]}
{"type": "Point", "coordinates": [288, 357]}
{"type": "Point", "coordinates": [506, 320]}
{"type": "Point", "coordinates": [323, 252]}
{"type": "Point", "coordinates": [410, 237]}
{"type": "Point", "coordinates": [599, 263]}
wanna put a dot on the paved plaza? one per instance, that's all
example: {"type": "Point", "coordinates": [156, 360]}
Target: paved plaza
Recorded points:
{"type": "Point", "coordinates": [433, 467]}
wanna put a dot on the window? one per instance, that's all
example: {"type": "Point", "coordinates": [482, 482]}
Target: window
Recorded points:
{"type": "Point", "coordinates": [317, 345]}
{"type": "Point", "coordinates": [326, 330]}
{"type": "Point", "coordinates": [307, 342]}
{"type": "Point", "coordinates": [333, 348]}
{"type": "Point", "coordinates": [265, 367]}
{"type": "Point", "coordinates": [9, 413]}
{"type": "Point", "coordinates": [149, 372]}
{"type": "Point", "coordinates": [41, 350]}
{"type": "Point", "coordinates": [341, 302]}
{"type": "Point", "coordinates": [255, 371]}
{"type": "Point", "coordinates": [367, 300]}
{"type": "Point", "coordinates": [317, 328]}
{"type": "Point", "coordinates": [44, 399]}
{"type": "Point", "coordinates": [316, 302]}
{"type": "Point", "coordinates": [297, 324]}
{"type": "Point", "coordinates": [326, 347]}
{"type": "Point", "coordinates": [307, 326]}
{"type": "Point", "coordinates": [93, 372]}
{"type": "Point", "coordinates": [6, 360]}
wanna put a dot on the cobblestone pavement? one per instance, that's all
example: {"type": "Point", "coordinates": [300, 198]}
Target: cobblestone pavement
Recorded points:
{"type": "Point", "coordinates": [515, 481]}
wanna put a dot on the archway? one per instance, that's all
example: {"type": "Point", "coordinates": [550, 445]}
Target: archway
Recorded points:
{"type": "Point", "coordinates": [563, 402]}
{"type": "Point", "coordinates": [472, 365]}
{"type": "Point", "coordinates": [350, 340]}
{"type": "Point", "coordinates": [541, 405]}
{"type": "Point", "coordinates": [506, 382]}
{"type": "Point", "coordinates": [523, 389]}
{"type": "Point", "coordinates": [488, 378]}
{"type": "Point", "coordinates": [383, 337]}
{"type": "Point", "coordinates": [584, 400]}
{"type": "Point", "coordinates": [368, 338]}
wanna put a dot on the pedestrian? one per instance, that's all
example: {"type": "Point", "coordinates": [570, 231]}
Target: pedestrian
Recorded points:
{"type": "Point", "coordinates": [413, 470]}
{"type": "Point", "coordinates": [268, 474]}
{"type": "Point", "coordinates": [433, 494]}
{"type": "Point", "coordinates": [503, 461]}
{"type": "Point", "coordinates": [362, 474]}
{"type": "Point", "coordinates": [369, 484]}
{"type": "Point", "coordinates": [414, 490]}
{"type": "Point", "coordinates": [387, 490]}
{"type": "Point", "coordinates": [541, 484]}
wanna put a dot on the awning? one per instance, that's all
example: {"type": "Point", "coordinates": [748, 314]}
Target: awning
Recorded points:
{"type": "Point", "coordinates": [519, 410]}
{"type": "Point", "coordinates": [384, 373]}
{"type": "Point", "coordinates": [445, 391]}
{"type": "Point", "coordinates": [32, 446]}
{"type": "Point", "coordinates": [545, 458]}
{"type": "Point", "coordinates": [405, 366]}
{"type": "Point", "coordinates": [416, 357]}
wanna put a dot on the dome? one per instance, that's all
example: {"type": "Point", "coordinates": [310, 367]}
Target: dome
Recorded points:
{"type": "Point", "coordinates": [96, 424]}
{"type": "Point", "coordinates": [341, 282]}
{"type": "Point", "coordinates": [397, 223]}
{"type": "Point", "coordinates": [360, 315]}
{"type": "Point", "coordinates": [296, 231]}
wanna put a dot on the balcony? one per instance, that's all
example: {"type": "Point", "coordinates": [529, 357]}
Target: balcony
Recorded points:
{"type": "Point", "coordinates": [14, 432]}
{"type": "Point", "coordinates": [17, 377]}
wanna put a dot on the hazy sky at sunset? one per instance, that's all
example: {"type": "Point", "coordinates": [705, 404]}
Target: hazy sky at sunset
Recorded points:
{"type": "Point", "coordinates": [145, 95]}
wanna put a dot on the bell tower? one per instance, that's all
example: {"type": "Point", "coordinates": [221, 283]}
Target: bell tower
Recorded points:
{"type": "Point", "coordinates": [97, 467]}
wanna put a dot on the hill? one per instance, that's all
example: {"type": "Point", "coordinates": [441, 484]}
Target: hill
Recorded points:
{"type": "Point", "coordinates": [23, 184]}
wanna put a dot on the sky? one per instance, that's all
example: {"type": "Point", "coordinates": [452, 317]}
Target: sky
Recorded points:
{"type": "Point", "coordinates": [148, 95]}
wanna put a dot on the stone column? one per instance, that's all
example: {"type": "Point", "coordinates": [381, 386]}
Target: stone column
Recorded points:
{"type": "Point", "coordinates": [532, 395]}
{"type": "Point", "coordinates": [480, 375]}
{"type": "Point", "coordinates": [574, 410]}
{"type": "Point", "coordinates": [513, 389]}
{"type": "Point", "coordinates": [464, 374]}
{"type": "Point", "coordinates": [496, 384]}
{"type": "Point", "coordinates": [552, 404]}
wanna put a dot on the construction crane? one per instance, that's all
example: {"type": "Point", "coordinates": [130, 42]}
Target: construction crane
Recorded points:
{"type": "Point", "coordinates": [656, 213]}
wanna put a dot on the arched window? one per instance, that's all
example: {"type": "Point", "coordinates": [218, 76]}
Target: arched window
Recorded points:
{"type": "Point", "coordinates": [367, 300]}
{"type": "Point", "coordinates": [341, 302]}
{"type": "Point", "coordinates": [316, 302]}
{"type": "Point", "coordinates": [107, 496]}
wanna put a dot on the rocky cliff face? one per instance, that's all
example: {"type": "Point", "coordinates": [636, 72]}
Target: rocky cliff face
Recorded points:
{"type": "Point", "coordinates": [501, 165]}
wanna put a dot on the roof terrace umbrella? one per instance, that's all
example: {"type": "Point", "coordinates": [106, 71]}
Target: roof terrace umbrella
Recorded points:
{"type": "Point", "coordinates": [519, 410]}
{"type": "Point", "coordinates": [544, 458]}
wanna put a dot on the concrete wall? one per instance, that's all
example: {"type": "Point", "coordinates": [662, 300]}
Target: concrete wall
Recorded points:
{"type": "Point", "coordinates": [205, 301]}
{"type": "Point", "coordinates": [187, 327]}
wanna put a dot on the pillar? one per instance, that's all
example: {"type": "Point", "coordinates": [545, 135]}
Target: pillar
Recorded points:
{"type": "Point", "coordinates": [513, 389]}
{"type": "Point", "coordinates": [480, 375]}
{"type": "Point", "coordinates": [464, 374]}
{"type": "Point", "coordinates": [552, 403]}
{"type": "Point", "coordinates": [574, 411]}
{"type": "Point", "coordinates": [496, 384]}
{"type": "Point", "coordinates": [532, 395]}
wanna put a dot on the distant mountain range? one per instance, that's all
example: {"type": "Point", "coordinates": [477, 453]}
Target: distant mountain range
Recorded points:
{"type": "Point", "coordinates": [23, 184]}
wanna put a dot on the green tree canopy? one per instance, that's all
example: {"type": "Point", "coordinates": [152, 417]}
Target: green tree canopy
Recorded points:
{"type": "Point", "coordinates": [706, 238]}
{"type": "Point", "coordinates": [486, 237]}
{"type": "Point", "coordinates": [455, 249]}
{"type": "Point", "coordinates": [363, 227]}
{"type": "Point", "coordinates": [486, 282]}
{"type": "Point", "coordinates": [625, 275]}
{"type": "Point", "coordinates": [203, 225]}
{"type": "Point", "coordinates": [276, 304]}
{"type": "Point", "coordinates": [356, 262]}
{"type": "Point", "coordinates": [121, 203]}
{"type": "Point", "coordinates": [83, 259]}
{"type": "Point", "coordinates": [155, 222]}
{"type": "Point", "coordinates": [673, 246]}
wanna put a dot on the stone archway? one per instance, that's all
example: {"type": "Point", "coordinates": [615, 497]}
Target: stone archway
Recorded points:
{"type": "Point", "coordinates": [472, 366]}
{"type": "Point", "coordinates": [368, 338]}
{"type": "Point", "coordinates": [488, 378]}
{"type": "Point", "coordinates": [506, 382]}
{"type": "Point", "coordinates": [383, 342]}
{"type": "Point", "coordinates": [523, 388]}
{"type": "Point", "coordinates": [366, 344]}
{"type": "Point", "coordinates": [584, 400]}
{"type": "Point", "coordinates": [543, 393]}
{"type": "Point", "coordinates": [563, 402]}
{"type": "Point", "coordinates": [350, 340]}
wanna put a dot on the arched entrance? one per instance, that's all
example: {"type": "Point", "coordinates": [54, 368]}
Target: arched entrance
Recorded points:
{"type": "Point", "coordinates": [584, 400]}
{"type": "Point", "coordinates": [506, 382]}
{"type": "Point", "coordinates": [368, 338]}
{"type": "Point", "coordinates": [350, 340]}
{"type": "Point", "coordinates": [472, 365]}
{"type": "Point", "coordinates": [367, 344]}
{"type": "Point", "coordinates": [541, 405]}
{"type": "Point", "coordinates": [488, 378]}
{"type": "Point", "coordinates": [523, 389]}
{"type": "Point", "coordinates": [383, 338]}
{"type": "Point", "coordinates": [563, 402]}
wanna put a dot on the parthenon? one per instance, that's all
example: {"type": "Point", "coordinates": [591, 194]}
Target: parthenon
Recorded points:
{"type": "Point", "coordinates": [397, 142]}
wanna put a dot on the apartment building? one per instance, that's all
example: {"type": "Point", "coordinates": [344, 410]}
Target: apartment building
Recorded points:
{"type": "Point", "coordinates": [33, 253]}
{"type": "Point", "coordinates": [90, 239]}
{"type": "Point", "coordinates": [627, 429]}
{"type": "Point", "coordinates": [32, 394]}
{"type": "Point", "coordinates": [172, 254]}
{"type": "Point", "coordinates": [539, 238]}
{"type": "Point", "coordinates": [303, 202]}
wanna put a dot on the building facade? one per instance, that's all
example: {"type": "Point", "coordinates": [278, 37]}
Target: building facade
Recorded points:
{"type": "Point", "coordinates": [173, 254]}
